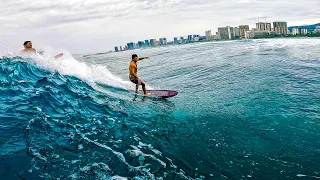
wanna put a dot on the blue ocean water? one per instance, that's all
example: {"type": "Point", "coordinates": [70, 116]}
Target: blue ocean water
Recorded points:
{"type": "Point", "coordinates": [245, 110]}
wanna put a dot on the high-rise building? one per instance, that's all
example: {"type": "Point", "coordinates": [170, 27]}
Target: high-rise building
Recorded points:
{"type": "Point", "coordinates": [304, 31]}
{"type": "Point", "coordinates": [249, 34]}
{"type": "Point", "coordinates": [226, 33]}
{"type": "Point", "coordinates": [146, 43]}
{"type": "Point", "coordinates": [153, 42]}
{"type": "Point", "coordinates": [196, 37]}
{"type": "Point", "coordinates": [189, 37]}
{"type": "Point", "coordinates": [255, 33]}
{"type": "Point", "coordinates": [141, 44]}
{"type": "Point", "coordinates": [209, 36]}
{"type": "Point", "coordinates": [236, 32]}
{"type": "Point", "coordinates": [231, 35]}
{"type": "Point", "coordinates": [217, 35]}
{"type": "Point", "coordinates": [157, 43]}
{"type": "Point", "coordinates": [181, 40]}
{"type": "Point", "coordinates": [131, 45]}
{"type": "Point", "coordinates": [295, 31]}
{"type": "Point", "coordinates": [121, 48]}
{"type": "Point", "coordinates": [163, 41]}
{"type": "Point", "coordinates": [280, 27]}
{"type": "Point", "coordinates": [175, 40]}
{"type": "Point", "coordinates": [116, 49]}
{"type": "Point", "coordinates": [261, 26]}
{"type": "Point", "coordinates": [242, 30]}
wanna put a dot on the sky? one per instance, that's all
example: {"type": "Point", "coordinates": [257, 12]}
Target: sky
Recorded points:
{"type": "Point", "coordinates": [88, 26]}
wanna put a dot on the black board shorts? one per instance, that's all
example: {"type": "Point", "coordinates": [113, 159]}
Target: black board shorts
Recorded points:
{"type": "Point", "coordinates": [136, 81]}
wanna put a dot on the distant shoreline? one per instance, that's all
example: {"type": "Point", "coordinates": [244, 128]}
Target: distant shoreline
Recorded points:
{"type": "Point", "coordinates": [276, 37]}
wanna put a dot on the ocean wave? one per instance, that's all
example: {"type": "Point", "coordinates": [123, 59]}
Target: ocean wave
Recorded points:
{"type": "Point", "coordinates": [63, 127]}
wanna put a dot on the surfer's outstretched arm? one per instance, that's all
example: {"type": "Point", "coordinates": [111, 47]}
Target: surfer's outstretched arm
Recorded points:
{"type": "Point", "coordinates": [146, 57]}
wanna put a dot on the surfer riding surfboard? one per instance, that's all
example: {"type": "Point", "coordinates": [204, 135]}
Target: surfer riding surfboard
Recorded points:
{"type": "Point", "coordinates": [136, 80]}
{"type": "Point", "coordinates": [133, 74]}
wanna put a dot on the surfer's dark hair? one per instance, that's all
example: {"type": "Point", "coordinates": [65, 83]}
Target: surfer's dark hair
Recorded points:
{"type": "Point", "coordinates": [134, 55]}
{"type": "Point", "coordinates": [26, 42]}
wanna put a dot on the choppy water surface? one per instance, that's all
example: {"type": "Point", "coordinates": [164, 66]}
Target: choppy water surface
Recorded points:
{"type": "Point", "coordinates": [245, 110]}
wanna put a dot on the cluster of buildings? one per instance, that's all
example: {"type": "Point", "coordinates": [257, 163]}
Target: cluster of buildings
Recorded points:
{"type": "Point", "coordinates": [262, 29]}
{"type": "Point", "coordinates": [244, 32]}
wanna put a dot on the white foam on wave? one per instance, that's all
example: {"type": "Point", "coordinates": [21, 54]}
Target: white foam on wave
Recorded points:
{"type": "Point", "coordinates": [137, 152]}
{"type": "Point", "coordinates": [68, 65]}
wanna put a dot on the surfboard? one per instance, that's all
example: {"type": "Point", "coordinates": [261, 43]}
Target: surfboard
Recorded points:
{"type": "Point", "coordinates": [160, 93]}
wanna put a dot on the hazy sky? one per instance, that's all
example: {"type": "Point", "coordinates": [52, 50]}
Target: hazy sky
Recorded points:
{"type": "Point", "coordinates": [99, 25]}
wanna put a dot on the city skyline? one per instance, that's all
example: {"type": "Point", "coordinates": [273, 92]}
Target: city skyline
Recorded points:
{"type": "Point", "coordinates": [94, 26]}
{"type": "Point", "coordinates": [225, 33]}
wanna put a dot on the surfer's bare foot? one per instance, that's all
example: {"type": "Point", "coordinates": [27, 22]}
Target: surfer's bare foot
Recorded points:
{"type": "Point", "coordinates": [147, 94]}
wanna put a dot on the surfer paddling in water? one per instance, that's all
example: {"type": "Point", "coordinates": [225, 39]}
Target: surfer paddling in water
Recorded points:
{"type": "Point", "coordinates": [28, 49]}
{"type": "Point", "coordinates": [133, 74]}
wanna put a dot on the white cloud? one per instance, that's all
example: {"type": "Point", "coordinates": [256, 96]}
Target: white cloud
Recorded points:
{"type": "Point", "coordinates": [98, 25]}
